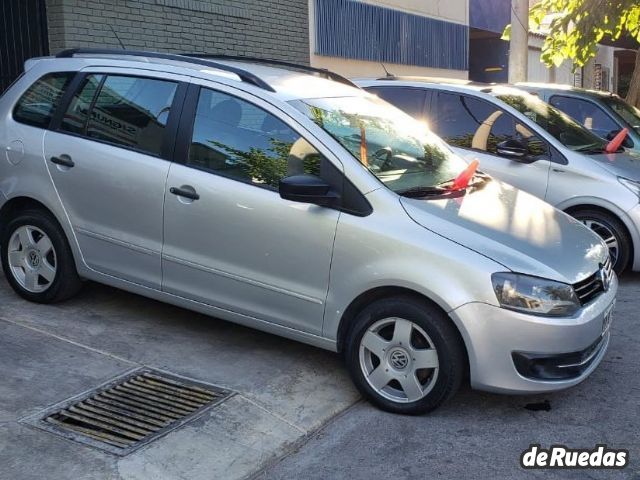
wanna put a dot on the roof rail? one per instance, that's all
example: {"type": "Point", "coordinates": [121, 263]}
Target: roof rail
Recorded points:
{"type": "Point", "coordinates": [244, 75]}
{"type": "Point", "coordinates": [322, 71]}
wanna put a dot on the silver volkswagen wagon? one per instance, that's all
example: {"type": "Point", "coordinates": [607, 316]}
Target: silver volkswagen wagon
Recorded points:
{"type": "Point", "coordinates": [286, 199]}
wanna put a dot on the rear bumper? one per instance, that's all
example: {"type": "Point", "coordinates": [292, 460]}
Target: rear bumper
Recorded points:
{"type": "Point", "coordinates": [510, 352]}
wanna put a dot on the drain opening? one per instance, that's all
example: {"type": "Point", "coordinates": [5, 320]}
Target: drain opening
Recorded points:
{"type": "Point", "coordinates": [137, 409]}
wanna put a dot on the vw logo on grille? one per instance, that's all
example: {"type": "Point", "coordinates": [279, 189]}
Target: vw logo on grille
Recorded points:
{"type": "Point", "coordinates": [34, 259]}
{"type": "Point", "coordinates": [398, 359]}
{"type": "Point", "coordinates": [604, 279]}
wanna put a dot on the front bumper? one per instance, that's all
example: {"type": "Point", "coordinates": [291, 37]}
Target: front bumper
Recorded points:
{"type": "Point", "coordinates": [634, 229]}
{"type": "Point", "coordinates": [493, 335]}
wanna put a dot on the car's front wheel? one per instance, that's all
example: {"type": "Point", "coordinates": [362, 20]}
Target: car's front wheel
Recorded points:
{"type": "Point", "coordinates": [613, 232]}
{"type": "Point", "coordinates": [405, 355]}
{"type": "Point", "coordinates": [36, 258]}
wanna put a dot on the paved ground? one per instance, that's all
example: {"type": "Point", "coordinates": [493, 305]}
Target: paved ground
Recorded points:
{"type": "Point", "coordinates": [286, 392]}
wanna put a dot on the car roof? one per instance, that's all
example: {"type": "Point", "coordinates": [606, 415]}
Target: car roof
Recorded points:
{"type": "Point", "coordinates": [563, 88]}
{"type": "Point", "coordinates": [402, 80]}
{"type": "Point", "coordinates": [484, 90]}
{"type": "Point", "coordinates": [282, 80]}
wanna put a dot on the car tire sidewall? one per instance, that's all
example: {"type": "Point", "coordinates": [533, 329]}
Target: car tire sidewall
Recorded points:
{"type": "Point", "coordinates": [66, 281]}
{"type": "Point", "coordinates": [445, 338]}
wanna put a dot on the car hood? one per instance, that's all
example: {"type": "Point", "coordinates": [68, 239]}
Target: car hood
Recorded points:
{"type": "Point", "coordinates": [515, 229]}
{"type": "Point", "coordinates": [626, 164]}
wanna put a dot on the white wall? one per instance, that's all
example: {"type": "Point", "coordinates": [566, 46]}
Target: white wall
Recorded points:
{"type": "Point", "coordinates": [456, 11]}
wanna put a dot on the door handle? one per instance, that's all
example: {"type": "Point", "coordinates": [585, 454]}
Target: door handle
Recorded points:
{"type": "Point", "coordinates": [181, 192]}
{"type": "Point", "coordinates": [558, 170]}
{"type": "Point", "coordinates": [64, 160]}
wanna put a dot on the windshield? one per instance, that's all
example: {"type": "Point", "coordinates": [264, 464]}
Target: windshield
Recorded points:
{"type": "Point", "coordinates": [570, 133]}
{"type": "Point", "coordinates": [398, 150]}
{"type": "Point", "coordinates": [629, 113]}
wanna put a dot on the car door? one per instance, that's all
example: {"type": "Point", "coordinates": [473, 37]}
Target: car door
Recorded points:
{"type": "Point", "coordinates": [230, 240]}
{"type": "Point", "coordinates": [108, 155]}
{"type": "Point", "coordinates": [478, 129]}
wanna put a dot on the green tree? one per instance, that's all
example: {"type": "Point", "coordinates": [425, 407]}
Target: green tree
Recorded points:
{"type": "Point", "coordinates": [577, 26]}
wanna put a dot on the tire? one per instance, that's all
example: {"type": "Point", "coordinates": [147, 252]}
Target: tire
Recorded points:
{"type": "Point", "coordinates": [612, 231]}
{"type": "Point", "coordinates": [431, 368]}
{"type": "Point", "coordinates": [50, 263]}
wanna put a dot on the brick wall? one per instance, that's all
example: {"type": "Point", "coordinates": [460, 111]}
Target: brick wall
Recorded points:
{"type": "Point", "coordinates": [277, 29]}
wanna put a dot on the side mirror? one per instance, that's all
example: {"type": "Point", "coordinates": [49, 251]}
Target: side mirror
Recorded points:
{"type": "Point", "coordinates": [308, 189]}
{"type": "Point", "coordinates": [628, 143]}
{"type": "Point", "coordinates": [512, 148]}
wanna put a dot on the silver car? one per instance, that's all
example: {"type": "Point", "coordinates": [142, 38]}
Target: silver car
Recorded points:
{"type": "Point", "coordinates": [287, 200]}
{"type": "Point", "coordinates": [602, 112]}
{"type": "Point", "coordinates": [520, 139]}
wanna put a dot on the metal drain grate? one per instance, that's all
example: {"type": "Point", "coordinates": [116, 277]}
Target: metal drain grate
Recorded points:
{"type": "Point", "coordinates": [131, 412]}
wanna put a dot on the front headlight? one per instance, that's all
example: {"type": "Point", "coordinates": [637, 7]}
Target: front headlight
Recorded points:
{"type": "Point", "coordinates": [534, 295]}
{"type": "Point", "coordinates": [632, 185]}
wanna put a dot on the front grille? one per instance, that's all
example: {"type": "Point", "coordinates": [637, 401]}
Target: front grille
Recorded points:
{"type": "Point", "coordinates": [131, 412]}
{"type": "Point", "coordinates": [592, 286]}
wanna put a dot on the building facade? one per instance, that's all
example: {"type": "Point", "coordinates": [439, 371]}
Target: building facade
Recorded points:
{"type": "Point", "coordinates": [358, 38]}
{"type": "Point", "coordinates": [264, 28]}
{"type": "Point", "coordinates": [408, 37]}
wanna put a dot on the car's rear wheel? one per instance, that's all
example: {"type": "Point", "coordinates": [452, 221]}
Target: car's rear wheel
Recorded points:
{"type": "Point", "coordinates": [405, 355]}
{"type": "Point", "coordinates": [36, 258]}
{"type": "Point", "coordinates": [612, 231]}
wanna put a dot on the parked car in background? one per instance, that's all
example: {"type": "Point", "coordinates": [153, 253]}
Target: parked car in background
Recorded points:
{"type": "Point", "coordinates": [290, 201]}
{"type": "Point", "coordinates": [604, 113]}
{"type": "Point", "coordinates": [528, 143]}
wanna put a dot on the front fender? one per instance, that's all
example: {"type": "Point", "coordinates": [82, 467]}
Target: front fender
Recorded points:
{"type": "Point", "coordinates": [400, 253]}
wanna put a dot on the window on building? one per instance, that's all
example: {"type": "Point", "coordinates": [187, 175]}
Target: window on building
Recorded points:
{"type": "Point", "coordinates": [236, 139]}
{"type": "Point", "coordinates": [410, 100]}
{"type": "Point", "coordinates": [587, 113]}
{"type": "Point", "coordinates": [130, 111]}
{"type": "Point", "coordinates": [37, 105]}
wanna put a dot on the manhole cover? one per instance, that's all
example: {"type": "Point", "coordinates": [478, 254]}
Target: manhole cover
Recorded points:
{"type": "Point", "coordinates": [130, 412]}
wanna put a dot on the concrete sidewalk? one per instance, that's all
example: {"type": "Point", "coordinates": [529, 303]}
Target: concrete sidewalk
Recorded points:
{"type": "Point", "coordinates": [285, 390]}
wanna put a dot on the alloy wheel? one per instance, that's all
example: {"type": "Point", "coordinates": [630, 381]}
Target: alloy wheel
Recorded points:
{"type": "Point", "coordinates": [398, 360]}
{"type": "Point", "coordinates": [32, 259]}
{"type": "Point", "coordinates": [607, 234]}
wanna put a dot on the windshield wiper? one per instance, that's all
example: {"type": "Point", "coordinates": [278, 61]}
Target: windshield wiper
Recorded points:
{"type": "Point", "coordinates": [417, 192]}
{"type": "Point", "coordinates": [443, 188]}
{"type": "Point", "coordinates": [591, 149]}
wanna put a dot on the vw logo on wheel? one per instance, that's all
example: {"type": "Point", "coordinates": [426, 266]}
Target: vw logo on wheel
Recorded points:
{"type": "Point", "coordinates": [34, 259]}
{"type": "Point", "coordinates": [398, 359]}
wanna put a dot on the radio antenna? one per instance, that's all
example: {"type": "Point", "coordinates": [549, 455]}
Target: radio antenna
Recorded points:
{"type": "Point", "coordinates": [386, 71]}
{"type": "Point", "coordinates": [117, 37]}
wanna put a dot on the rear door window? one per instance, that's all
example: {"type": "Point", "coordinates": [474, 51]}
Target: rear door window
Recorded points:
{"type": "Point", "coordinates": [132, 112]}
{"type": "Point", "coordinates": [38, 104]}
{"type": "Point", "coordinates": [587, 113]}
{"type": "Point", "coordinates": [75, 118]}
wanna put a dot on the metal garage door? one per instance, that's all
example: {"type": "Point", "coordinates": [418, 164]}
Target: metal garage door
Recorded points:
{"type": "Point", "coordinates": [23, 34]}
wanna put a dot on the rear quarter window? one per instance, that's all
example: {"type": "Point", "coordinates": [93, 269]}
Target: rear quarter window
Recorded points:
{"type": "Point", "coordinates": [38, 104]}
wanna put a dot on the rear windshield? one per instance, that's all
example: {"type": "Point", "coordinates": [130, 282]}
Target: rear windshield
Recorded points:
{"type": "Point", "coordinates": [39, 102]}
